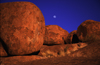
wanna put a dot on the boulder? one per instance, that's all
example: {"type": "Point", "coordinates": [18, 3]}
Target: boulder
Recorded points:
{"type": "Point", "coordinates": [2, 50]}
{"type": "Point", "coordinates": [88, 28]}
{"type": "Point", "coordinates": [22, 27]}
{"type": "Point", "coordinates": [55, 35]}
{"type": "Point", "coordinates": [70, 37]}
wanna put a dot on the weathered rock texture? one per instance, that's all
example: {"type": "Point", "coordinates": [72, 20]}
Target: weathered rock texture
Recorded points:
{"type": "Point", "coordinates": [58, 50]}
{"type": "Point", "coordinates": [72, 38]}
{"type": "Point", "coordinates": [91, 50]}
{"type": "Point", "coordinates": [55, 35]}
{"type": "Point", "coordinates": [17, 59]}
{"type": "Point", "coordinates": [2, 50]}
{"type": "Point", "coordinates": [53, 49]}
{"type": "Point", "coordinates": [22, 27]}
{"type": "Point", "coordinates": [88, 27]}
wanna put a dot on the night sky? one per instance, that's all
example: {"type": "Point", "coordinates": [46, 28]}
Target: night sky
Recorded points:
{"type": "Point", "coordinates": [68, 14]}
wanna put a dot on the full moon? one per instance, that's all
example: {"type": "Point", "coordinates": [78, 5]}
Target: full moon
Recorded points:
{"type": "Point", "coordinates": [54, 16]}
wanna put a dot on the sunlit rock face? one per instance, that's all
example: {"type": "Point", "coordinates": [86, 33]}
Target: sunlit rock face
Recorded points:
{"type": "Point", "coordinates": [55, 35]}
{"type": "Point", "coordinates": [22, 27]}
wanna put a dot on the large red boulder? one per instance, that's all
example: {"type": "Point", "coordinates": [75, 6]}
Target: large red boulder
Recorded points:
{"type": "Point", "coordinates": [70, 36]}
{"type": "Point", "coordinates": [88, 28]}
{"type": "Point", "coordinates": [2, 50]}
{"type": "Point", "coordinates": [22, 27]}
{"type": "Point", "coordinates": [55, 35]}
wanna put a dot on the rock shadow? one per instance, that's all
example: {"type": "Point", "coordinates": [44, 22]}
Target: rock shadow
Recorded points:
{"type": "Point", "coordinates": [4, 46]}
{"type": "Point", "coordinates": [51, 44]}
{"type": "Point", "coordinates": [6, 49]}
{"type": "Point", "coordinates": [75, 39]}
{"type": "Point", "coordinates": [34, 53]}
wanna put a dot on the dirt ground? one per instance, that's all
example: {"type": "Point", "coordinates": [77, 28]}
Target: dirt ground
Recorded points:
{"type": "Point", "coordinates": [61, 61]}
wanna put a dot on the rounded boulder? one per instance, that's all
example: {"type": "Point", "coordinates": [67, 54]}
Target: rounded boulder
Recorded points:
{"type": "Point", "coordinates": [54, 34]}
{"type": "Point", "coordinates": [22, 27]}
{"type": "Point", "coordinates": [89, 29]}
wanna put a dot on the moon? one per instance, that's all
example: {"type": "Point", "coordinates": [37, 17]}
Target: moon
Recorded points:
{"type": "Point", "coordinates": [54, 16]}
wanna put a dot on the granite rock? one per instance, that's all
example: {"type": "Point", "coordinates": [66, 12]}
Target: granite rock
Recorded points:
{"type": "Point", "coordinates": [88, 28]}
{"type": "Point", "coordinates": [54, 34]}
{"type": "Point", "coordinates": [22, 27]}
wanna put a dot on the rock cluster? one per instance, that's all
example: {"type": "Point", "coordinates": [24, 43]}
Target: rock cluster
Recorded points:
{"type": "Point", "coordinates": [23, 32]}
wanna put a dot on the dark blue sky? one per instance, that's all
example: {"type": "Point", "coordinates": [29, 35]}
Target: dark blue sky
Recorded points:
{"type": "Point", "coordinates": [69, 13]}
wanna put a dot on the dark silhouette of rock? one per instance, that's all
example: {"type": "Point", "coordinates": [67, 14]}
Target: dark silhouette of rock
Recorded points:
{"type": "Point", "coordinates": [22, 27]}
{"type": "Point", "coordinates": [34, 53]}
{"type": "Point", "coordinates": [55, 35]}
{"type": "Point", "coordinates": [75, 39]}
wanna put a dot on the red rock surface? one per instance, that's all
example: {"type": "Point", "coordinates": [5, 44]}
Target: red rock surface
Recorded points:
{"type": "Point", "coordinates": [70, 36]}
{"type": "Point", "coordinates": [88, 27]}
{"type": "Point", "coordinates": [55, 35]}
{"type": "Point", "coordinates": [66, 60]}
{"type": "Point", "coordinates": [91, 50]}
{"type": "Point", "coordinates": [56, 49]}
{"type": "Point", "coordinates": [90, 56]}
{"type": "Point", "coordinates": [22, 27]}
{"type": "Point", "coordinates": [2, 51]}
{"type": "Point", "coordinates": [17, 59]}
